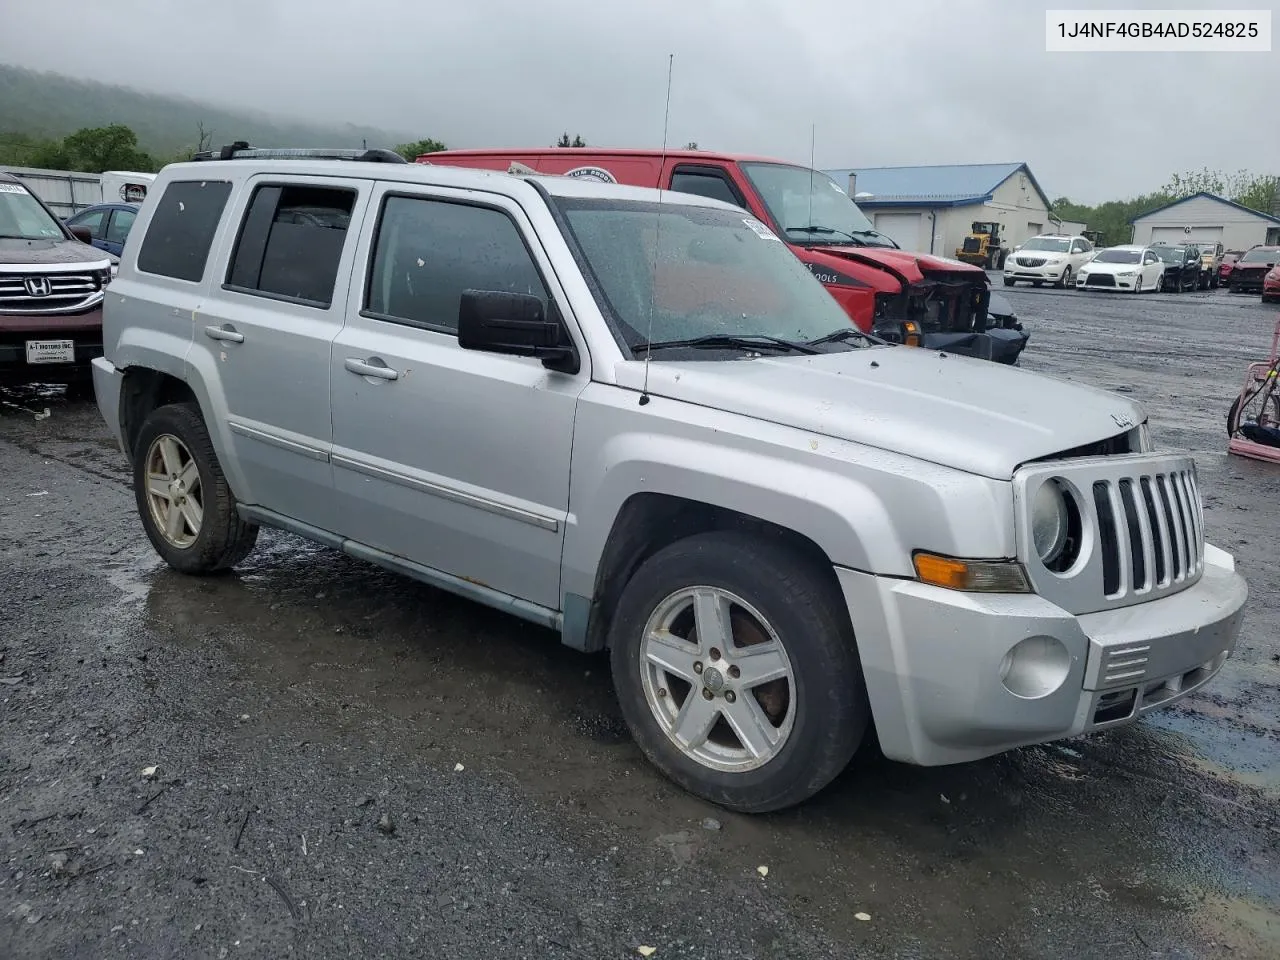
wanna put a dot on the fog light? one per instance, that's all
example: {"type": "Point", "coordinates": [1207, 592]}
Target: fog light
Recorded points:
{"type": "Point", "coordinates": [1035, 667]}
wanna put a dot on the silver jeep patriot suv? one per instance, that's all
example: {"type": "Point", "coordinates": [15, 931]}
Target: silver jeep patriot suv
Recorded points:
{"type": "Point", "coordinates": [636, 418]}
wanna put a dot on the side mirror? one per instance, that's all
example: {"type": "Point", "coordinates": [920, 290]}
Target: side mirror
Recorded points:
{"type": "Point", "coordinates": [81, 233]}
{"type": "Point", "coordinates": [494, 321]}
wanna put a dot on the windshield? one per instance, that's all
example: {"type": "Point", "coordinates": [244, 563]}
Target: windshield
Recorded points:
{"type": "Point", "coordinates": [1170, 254]}
{"type": "Point", "coordinates": [810, 207]}
{"type": "Point", "coordinates": [23, 218]}
{"type": "Point", "coordinates": [1118, 256]}
{"type": "Point", "coordinates": [1261, 256]}
{"type": "Point", "coordinates": [1052, 244]}
{"type": "Point", "coordinates": [714, 273]}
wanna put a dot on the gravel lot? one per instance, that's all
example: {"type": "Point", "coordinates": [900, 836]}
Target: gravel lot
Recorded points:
{"type": "Point", "coordinates": [349, 764]}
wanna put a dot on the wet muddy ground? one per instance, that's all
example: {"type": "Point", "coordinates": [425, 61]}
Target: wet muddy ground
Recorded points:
{"type": "Point", "coordinates": [347, 763]}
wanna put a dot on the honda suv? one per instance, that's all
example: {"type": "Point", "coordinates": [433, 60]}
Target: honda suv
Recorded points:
{"type": "Point", "coordinates": [636, 418]}
{"type": "Point", "coordinates": [51, 288]}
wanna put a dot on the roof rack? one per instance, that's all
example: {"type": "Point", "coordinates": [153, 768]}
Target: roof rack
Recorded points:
{"type": "Point", "coordinates": [240, 150]}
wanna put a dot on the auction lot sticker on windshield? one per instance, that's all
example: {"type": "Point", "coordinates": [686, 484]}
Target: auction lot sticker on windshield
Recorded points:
{"type": "Point", "coordinates": [761, 231]}
{"type": "Point", "coordinates": [1148, 31]}
{"type": "Point", "coordinates": [12, 188]}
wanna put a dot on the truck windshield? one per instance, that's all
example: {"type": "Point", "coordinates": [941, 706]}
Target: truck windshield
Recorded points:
{"type": "Point", "coordinates": [809, 207]}
{"type": "Point", "coordinates": [23, 218]}
{"type": "Point", "coordinates": [669, 273]}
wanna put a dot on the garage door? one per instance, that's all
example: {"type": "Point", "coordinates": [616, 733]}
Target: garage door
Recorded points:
{"type": "Point", "coordinates": [904, 228]}
{"type": "Point", "coordinates": [1180, 235]}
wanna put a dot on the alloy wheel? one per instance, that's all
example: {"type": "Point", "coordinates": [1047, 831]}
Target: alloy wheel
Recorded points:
{"type": "Point", "coordinates": [718, 679]}
{"type": "Point", "coordinates": [174, 492]}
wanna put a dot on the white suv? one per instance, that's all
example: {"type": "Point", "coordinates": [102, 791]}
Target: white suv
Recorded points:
{"type": "Point", "coordinates": [1051, 257]}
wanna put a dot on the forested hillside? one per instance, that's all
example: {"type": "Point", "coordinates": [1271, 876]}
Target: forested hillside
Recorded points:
{"type": "Point", "coordinates": [36, 107]}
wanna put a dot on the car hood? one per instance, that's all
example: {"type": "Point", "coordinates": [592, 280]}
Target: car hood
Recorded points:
{"type": "Point", "coordinates": [960, 412]}
{"type": "Point", "coordinates": [22, 253]}
{"type": "Point", "coordinates": [1093, 266]}
{"type": "Point", "coordinates": [913, 266]}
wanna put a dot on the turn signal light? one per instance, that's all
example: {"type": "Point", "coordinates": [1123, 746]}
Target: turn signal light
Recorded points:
{"type": "Point", "coordinates": [912, 338]}
{"type": "Point", "coordinates": [973, 576]}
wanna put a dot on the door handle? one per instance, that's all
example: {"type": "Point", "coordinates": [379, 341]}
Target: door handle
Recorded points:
{"type": "Point", "coordinates": [225, 332]}
{"type": "Point", "coordinates": [373, 367]}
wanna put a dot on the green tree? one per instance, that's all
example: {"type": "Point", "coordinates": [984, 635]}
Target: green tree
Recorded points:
{"type": "Point", "coordinates": [1252, 190]}
{"type": "Point", "coordinates": [418, 147]}
{"type": "Point", "coordinates": [577, 141]}
{"type": "Point", "coordinates": [691, 145]}
{"type": "Point", "coordinates": [95, 149]}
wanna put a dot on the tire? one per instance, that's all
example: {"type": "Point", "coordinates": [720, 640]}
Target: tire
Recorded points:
{"type": "Point", "coordinates": [1009, 282]}
{"type": "Point", "coordinates": [1066, 280]}
{"type": "Point", "coordinates": [1004, 255]}
{"type": "Point", "coordinates": [819, 713]}
{"type": "Point", "coordinates": [175, 436]}
{"type": "Point", "coordinates": [1233, 415]}
{"type": "Point", "coordinates": [1037, 283]}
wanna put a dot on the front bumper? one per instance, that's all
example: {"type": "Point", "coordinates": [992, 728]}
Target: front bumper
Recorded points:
{"type": "Point", "coordinates": [83, 329]}
{"type": "Point", "coordinates": [1107, 281]}
{"type": "Point", "coordinates": [1051, 273]}
{"type": "Point", "coordinates": [939, 681]}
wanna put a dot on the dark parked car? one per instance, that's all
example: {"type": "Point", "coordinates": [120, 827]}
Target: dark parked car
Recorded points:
{"type": "Point", "coordinates": [1181, 267]}
{"type": "Point", "coordinates": [109, 223]}
{"type": "Point", "coordinates": [1250, 270]}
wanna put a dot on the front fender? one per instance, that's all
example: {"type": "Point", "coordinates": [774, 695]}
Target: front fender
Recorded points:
{"type": "Point", "coordinates": [866, 509]}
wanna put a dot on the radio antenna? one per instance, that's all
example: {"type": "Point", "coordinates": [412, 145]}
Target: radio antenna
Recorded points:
{"type": "Point", "coordinates": [657, 232]}
{"type": "Point", "coordinates": [813, 140]}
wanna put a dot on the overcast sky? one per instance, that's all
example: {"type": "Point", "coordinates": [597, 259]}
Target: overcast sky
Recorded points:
{"type": "Point", "coordinates": [906, 82]}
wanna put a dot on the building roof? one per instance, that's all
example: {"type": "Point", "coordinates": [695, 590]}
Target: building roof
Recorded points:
{"type": "Point", "coordinates": [1195, 196]}
{"type": "Point", "coordinates": [947, 185]}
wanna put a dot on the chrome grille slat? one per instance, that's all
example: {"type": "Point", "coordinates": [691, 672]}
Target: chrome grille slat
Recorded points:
{"type": "Point", "coordinates": [1146, 538]}
{"type": "Point", "coordinates": [1120, 535]}
{"type": "Point", "coordinates": [67, 291]}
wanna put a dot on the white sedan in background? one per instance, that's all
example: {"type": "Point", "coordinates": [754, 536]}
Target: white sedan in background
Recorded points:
{"type": "Point", "coordinates": [1048, 258]}
{"type": "Point", "coordinates": [1130, 267]}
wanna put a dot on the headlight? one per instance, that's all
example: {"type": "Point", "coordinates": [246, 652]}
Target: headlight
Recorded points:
{"type": "Point", "coordinates": [1049, 520]}
{"type": "Point", "coordinates": [1126, 273]}
{"type": "Point", "coordinates": [1052, 260]}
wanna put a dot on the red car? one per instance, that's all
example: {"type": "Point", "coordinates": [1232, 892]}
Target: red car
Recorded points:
{"type": "Point", "coordinates": [1248, 272]}
{"type": "Point", "coordinates": [913, 298]}
{"type": "Point", "coordinates": [1271, 285]}
{"type": "Point", "coordinates": [1228, 262]}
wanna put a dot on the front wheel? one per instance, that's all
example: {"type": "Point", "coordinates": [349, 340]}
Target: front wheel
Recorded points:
{"type": "Point", "coordinates": [1009, 281]}
{"type": "Point", "coordinates": [185, 503]}
{"type": "Point", "coordinates": [1066, 279]}
{"type": "Point", "coordinates": [736, 670]}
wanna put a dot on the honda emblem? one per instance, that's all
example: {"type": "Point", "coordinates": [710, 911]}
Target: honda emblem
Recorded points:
{"type": "Point", "coordinates": [38, 286]}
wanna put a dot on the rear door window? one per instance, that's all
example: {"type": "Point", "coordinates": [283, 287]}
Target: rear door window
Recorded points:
{"type": "Point", "coordinates": [290, 243]}
{"type": "Point", "coordinates": [182, 229]}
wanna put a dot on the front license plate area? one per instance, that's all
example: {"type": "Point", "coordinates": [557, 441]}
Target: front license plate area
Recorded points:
{"type": "Point", "coordinates": [51, 351]}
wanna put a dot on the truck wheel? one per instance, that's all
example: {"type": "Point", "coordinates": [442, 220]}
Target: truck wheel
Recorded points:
{"type": "Point", "coordinates": [737, 672]}
{"type": "Point", "coordinates": [186, 506]}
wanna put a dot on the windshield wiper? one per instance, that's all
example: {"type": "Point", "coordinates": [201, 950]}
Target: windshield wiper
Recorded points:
{"type": "Point", "coordinates": [713, 341]}
{"type": "Point", "coordinates": [844, 333]}
{"type": "Point", "coordinates": [876, 234]}
{"type": "Point", "coordinates": [825, 231]}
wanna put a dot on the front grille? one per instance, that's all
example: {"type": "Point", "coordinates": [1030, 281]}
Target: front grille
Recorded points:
{"type": "Point", "coordinates": [1149, 532]}
{"type": "Point", "coordinates": [67, 291]}
{"type": "Point", "coordinates": [1099, 280]}
{"type": "Point", "coordinates": [971, 245]}
{"type": "Point", "coordinates": [1136, 522]}
{"type": "Point", "coordinates": [1031, 261]}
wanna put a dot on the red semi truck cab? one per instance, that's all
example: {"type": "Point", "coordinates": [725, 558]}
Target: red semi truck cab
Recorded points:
{"type": "Point", "coordinates": [913, 298]}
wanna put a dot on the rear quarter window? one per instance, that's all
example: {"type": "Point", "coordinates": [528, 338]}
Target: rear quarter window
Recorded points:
{"type": "Point", "coordinates": [182, 228]}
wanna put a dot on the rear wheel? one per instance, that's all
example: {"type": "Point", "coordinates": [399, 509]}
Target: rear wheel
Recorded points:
{"type": "Point", "coordinates": [737, 672]}
{"type": "Point", "coordinates": [1269, 415]}
{"type": "Point", "coordinates": [186, 506]}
